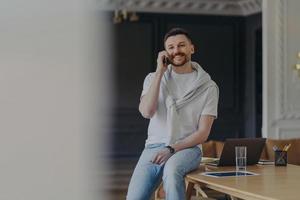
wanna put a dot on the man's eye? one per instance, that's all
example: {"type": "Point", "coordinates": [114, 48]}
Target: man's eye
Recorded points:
{"type": "Point", "coordinates": [171, 47]}
{"type": "Point", "coordinates": [181, 45]}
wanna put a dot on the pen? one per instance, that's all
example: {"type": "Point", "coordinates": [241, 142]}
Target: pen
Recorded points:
{"type": "Point", "coordinates": [286, 147]}
{"type": "Point", "coordinates": [275, 148]}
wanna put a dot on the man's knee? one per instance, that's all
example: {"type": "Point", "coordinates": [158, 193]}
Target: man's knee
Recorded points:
{"type": "Point", "coordinates": [173, 171]}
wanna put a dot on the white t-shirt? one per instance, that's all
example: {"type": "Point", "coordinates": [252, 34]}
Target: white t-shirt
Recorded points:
{"type": "Point", "coordinates": [205, 104]}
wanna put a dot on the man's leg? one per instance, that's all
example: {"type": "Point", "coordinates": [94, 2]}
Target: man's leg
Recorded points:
{"type": "Point", "coordinates": [146, 174]}
{"type": "Point", "coordinates": [175, 170]}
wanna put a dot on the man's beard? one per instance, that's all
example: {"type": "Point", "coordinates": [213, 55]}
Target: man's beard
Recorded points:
{"type": "Point", "coordinates": [186, 59]}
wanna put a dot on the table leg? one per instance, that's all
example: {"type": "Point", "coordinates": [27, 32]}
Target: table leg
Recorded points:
{"type": "Point", "coordinates": [189, 190]}
{"type": "Point", "coordinates": [233, 198]}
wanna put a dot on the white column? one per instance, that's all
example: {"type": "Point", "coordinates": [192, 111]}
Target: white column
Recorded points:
{"type": "Point", "coordinates": [281, 83]}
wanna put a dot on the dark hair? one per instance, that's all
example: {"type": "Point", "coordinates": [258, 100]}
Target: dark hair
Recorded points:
{"type": "Point", "coordinates": [177, 31]}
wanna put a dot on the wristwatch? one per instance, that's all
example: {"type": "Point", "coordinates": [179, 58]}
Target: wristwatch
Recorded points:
{"type": "Point", "coordinates": [171, 149]}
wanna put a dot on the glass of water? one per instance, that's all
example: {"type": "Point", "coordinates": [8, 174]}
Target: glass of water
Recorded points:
{"type": "Point", "coordinates": [240, 158]}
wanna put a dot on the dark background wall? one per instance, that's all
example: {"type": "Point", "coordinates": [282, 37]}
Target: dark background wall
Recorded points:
{"type": "Point", "coordinates": [228, 48]}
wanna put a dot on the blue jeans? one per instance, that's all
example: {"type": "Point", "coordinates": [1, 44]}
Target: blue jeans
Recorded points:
{"type": "Point", "coordinates": [147, 175]}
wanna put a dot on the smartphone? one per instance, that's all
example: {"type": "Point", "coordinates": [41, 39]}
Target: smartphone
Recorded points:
{"type": "Point", "coordinates": [166, 60]}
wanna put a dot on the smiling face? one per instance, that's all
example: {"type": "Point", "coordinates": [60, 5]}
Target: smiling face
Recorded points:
{"type": "Point", "coordinates": [180, 49]}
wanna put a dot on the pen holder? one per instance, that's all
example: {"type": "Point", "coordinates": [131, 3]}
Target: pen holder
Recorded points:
{"type": "Point", "coordinates": [280, 158]}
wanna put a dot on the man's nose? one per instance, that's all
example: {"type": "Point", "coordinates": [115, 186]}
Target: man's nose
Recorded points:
{"type": "Point", "coordinates": [176, 50]}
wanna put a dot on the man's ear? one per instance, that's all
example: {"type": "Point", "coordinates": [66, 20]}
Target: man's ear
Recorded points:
{"type": "Point", "coordinates": [192, 49]}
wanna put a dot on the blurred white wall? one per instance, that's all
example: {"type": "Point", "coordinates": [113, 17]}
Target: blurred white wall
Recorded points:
{"type": "Point", "coordinates": [54, 93]}
{"type": "Point", "coordinates": [281, 81]}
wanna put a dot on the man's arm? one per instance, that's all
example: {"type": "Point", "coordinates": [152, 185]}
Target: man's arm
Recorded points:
{"type": "Point", "coordinates": [198, 137]}
{"type": "Point", "coordinates": [148, 103]}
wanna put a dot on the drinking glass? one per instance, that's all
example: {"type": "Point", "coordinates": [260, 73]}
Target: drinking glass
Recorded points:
{"type": "Point", "coordinates": [240, 158]}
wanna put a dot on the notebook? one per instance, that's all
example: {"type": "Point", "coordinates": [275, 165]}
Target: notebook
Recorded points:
{"type": "Point", "coordinates": [254, 148]}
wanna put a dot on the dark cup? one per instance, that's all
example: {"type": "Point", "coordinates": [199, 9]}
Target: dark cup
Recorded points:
{"type": "Point", "coordinates": [280, 158]}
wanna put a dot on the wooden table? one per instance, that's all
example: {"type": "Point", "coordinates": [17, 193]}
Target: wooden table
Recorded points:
{"type": "Point", "coordinates": [280, 183]}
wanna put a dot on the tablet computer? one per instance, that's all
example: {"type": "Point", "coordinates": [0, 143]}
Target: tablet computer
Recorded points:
{"type": "Point", "coordinates": [228, 174]}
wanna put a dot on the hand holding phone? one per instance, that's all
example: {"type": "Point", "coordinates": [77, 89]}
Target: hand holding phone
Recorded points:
{"type": "Point", "coordinates": [166, 60]}
{"type": "Point", "coordinates": [162, 61]}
